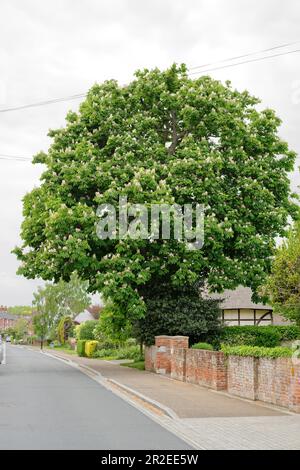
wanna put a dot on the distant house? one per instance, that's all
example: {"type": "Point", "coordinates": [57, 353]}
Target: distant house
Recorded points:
{"type": "Point", "coordinates": [6, 319]}
{"type": "Point", "coordinates": [83, 317]}
{"type": "Point", "coordinates": [239, 309]}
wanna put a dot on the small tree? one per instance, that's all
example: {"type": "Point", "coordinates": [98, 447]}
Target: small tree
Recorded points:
{"type": "Point", "coordinates": [20, 329]}
{"type": "Point", "coordinates": [41, 326]}
{"type": "Point", "coordinates": [44, 303]}
{"type": "Point", "coordinates": [56, 301]}
{"type": "Point", "coordinates": [71, 297]}
{"type": "Point", "coordinates": [283, 286]}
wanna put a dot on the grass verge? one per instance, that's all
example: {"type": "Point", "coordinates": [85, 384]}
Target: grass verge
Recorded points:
{"type": "Point", "coordinates": [140, 365]}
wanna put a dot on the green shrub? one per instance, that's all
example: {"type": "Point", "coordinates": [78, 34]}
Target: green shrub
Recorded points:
{"type": "Point", "coordinates": [130, 342]}
{"type": "Point", "coordinates": [90, 348]}
{"type": "Point", "coordinates": [207, 346]}
{"type": "Point", "coordinates": [86, 330]}
{"type": "Point", "coordinates": [174, 311]}
{"type": "Point", "coordinates": [288, 332]}
{"type": "Point", "coordinates": [81, 347]}
{"type": "Point", "coordinates": [250, 335]}
{"type": "Point", "coordinates": [105, 342]}
{"type": "Point", "coordinates": [256, 351]}
{"type": "Point", "coordinates": [100, 353]}
{"type": "Point", "coordinates": [127, 352]}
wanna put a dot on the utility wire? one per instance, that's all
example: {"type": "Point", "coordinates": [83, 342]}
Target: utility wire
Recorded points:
{"type": "Point", "coordinates": [192, 69]}
{"type": "Point", "coordinates": [14, 158]}
{"type": "Point", "coordinates": [43, 103]}
{"type": "Point", "coordinates": [229, 59]}
{"type": "Point", "coordinates": [245, 62]}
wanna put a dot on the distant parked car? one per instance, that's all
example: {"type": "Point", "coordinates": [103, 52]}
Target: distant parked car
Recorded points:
{"type": "Point", "coordinates": [8, 339]}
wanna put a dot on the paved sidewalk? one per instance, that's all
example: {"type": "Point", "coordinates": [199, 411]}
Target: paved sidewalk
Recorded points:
{"type": "Point", "coordinates": [186, 400]}
{"type": "Point", "coordinates": [212, 420]}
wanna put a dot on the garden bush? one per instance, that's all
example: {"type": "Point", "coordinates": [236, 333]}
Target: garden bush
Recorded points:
{"type": "Point", "coordinates": [105, 342]}
{"type": "Point", "coordinates": [256, 351]}
{"type": "Point", "coordinates": [127, 352]}
{"type": "Point", "coordinates": [86, 330]}
{"type": "Point", "coordinates": [250, 335]}
{"type": "Point", "coordinates": [90, 348]}
{"type": "Point", "coordinates": [206, 346]}
{"type": "Point", "coordinates": [173, 311]}
{"type": "Point", "coordinates": [100, 353]}
{"type": "Point", "coordinates": [81, 347]}
{"type": "Point", "coordinates": [288, 332]}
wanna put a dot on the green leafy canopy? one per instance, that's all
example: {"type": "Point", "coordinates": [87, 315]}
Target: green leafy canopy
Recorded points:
{"type": "Point", "coordinates": [163, 138]}
{"type": "Point", "coordinates": [283, 285]}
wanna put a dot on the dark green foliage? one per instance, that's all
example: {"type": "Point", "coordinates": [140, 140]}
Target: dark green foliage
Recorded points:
{"type": "Point", "coordinates": [86, 330]}
{"type": "Point", "coordinates": [172, 311]}
{"type": "Point", "coordinates": [288, 332]}
{"type": "Point", "coordinates": [256, 351]}
{"type": "Point", "coordinates": [81, 347]}
{"type": "Point", "coordinates": [268, 336]}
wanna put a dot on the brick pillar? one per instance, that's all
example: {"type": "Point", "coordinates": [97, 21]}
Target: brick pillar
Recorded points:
{"type": "Point", "coordinates": [163, 354]}
{"type": "Point", "coordinates": [179, 346]}
{"type": "Point", "coordinates": [166, 345]}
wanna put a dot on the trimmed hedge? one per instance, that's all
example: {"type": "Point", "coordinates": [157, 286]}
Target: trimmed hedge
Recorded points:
{"type": "Point", "coordinates": [206, 346]}
{"type": "Point", "coordinates": [90, 348]}
{"type": "Point", "coordinates": [266, 336]}
{"type": "Point", "coordinates": [81, 347]}
{"type": "Point", "coordinates": [256, 351]}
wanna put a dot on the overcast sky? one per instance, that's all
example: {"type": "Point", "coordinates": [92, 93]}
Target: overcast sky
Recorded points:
{"type": "Point", "coordinates": [51, 49]}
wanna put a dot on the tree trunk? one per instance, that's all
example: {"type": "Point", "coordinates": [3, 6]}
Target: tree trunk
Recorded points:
{"type": "Point", "coordinates": [141, 348]}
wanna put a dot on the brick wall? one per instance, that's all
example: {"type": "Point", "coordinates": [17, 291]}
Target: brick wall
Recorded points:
{"type": "Point", "coordinates": [275, 381]}
{"type": "Point", "coordinates": [206, 368]}
{"type": "Point", "coordinates": [178, 364]}
{"type": "Point", "coordinates": [242, 376]}
{"type": "Point", "coordinates": [150, 358]}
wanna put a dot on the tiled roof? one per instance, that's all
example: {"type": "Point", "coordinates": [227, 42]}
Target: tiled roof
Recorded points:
{"type": "Point", "coordinates": [84, 316]}
{"type": "Point", "coordinates": [239, 298]}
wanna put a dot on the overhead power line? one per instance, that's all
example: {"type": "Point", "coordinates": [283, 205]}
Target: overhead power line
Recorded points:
{"type": "Point", "coordinates": [15, 158]}
{"type": "Point", "coordinates": [229, 59]}
{"type": "Point", "coordinates": [245, 62]}
{"type": "Point", "coordinates": [43, 103]}
{"type": "Point", "coordinates": [193, 71]}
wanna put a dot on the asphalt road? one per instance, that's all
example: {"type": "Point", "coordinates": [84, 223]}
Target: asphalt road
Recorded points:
{"type": "Point", "coordinates": [46, 404]}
